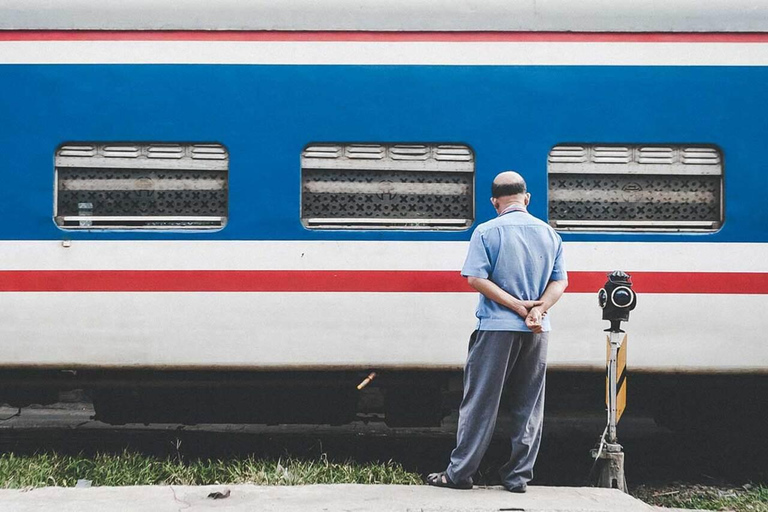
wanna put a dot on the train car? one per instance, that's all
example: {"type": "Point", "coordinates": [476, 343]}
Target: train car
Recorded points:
{"type": "Point", "coordinates": [236, 211]}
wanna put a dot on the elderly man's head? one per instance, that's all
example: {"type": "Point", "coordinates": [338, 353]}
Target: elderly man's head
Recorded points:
{"type": "Point", "coordinates": [509, 188]}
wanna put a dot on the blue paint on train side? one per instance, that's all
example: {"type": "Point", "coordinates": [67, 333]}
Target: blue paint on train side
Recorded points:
{"type": "Point", "coordinates": [265, 115]}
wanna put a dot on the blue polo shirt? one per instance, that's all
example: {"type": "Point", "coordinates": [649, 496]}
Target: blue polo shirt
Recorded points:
{"type": "Point", "coordinates": [521, 254]}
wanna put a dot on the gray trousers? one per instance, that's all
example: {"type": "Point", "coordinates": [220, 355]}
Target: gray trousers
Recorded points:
{"type": "Point", "coordinates": [496, 358]}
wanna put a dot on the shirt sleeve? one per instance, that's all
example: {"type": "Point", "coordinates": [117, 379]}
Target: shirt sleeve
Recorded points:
{"type": "Point", "coordinates": [477, 264]}
{"type": "Point", "coordinates": [558, 271]}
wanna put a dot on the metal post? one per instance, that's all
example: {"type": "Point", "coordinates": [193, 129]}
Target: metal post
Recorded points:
{"type": "Point", "coordinates": [616, 299]}
{"type": "Point", "coordinates": [609, 456]}
{"type": "Point", "coordinates": [615, 340]}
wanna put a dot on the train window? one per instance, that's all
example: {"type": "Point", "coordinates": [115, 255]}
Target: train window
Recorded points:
{"type": "Point", "coordinates": [635, 187]}
{"type": "Point", "coordinates": [141, 186]}
{"type": "Point", "coordinates": [387, 186]}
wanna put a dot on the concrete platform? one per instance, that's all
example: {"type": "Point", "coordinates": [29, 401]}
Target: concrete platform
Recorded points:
{"type": "Point", "coordinates": [326, 498]}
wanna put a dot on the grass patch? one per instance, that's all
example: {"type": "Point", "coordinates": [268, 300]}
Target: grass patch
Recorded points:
{"type": "Point", "coordinates": [748, 498]}
{"type": "Point", "coordinates": [130, 468]}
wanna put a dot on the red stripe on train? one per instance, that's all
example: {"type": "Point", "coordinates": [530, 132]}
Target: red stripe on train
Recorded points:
{"type": "Point", "coordinates": [347, 281]}
{"type": "Point", "coordinates": [343, 36]}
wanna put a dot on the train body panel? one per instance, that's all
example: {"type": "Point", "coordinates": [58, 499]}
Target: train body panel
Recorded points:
{"type": "Point", "coordinates": [368, 299]}
{"type": "Point", "coordinates": [266, 115]}
{"type": "Point", "coordinates": [354, 331]}
{"type": "Point", "coordinates": [355, 305]}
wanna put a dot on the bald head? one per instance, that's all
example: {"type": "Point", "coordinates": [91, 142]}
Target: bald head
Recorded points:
{"type": "Point", "coordinates": [508, 183]}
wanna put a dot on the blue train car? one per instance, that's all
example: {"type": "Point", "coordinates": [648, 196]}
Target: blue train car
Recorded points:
{"type": "Point", "coordinates": [262, 197]}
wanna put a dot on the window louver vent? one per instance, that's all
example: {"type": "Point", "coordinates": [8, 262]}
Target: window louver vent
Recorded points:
{"type": "Point", "coordinates": [655, 155]}
{"type": "Point", "coordinates": [144, 186]}
{"type": "Point", "coordinates": [635, 188]}
{"type": "Point", "coordinates": [662, 160]}
{"type": "Point", "coordinates": [209, 152]}
{"type": "Point", "coordinates": [453, 153]}
{"type": "Point", "coordinates": [573, 154]}
{"type": "Point", "coordinates": [77, 151]}
{"type": "Point", "coordinates": [322, 151]}
{"type": "Point", "coordinates": [399, 186]}
{"type": "Point", "coordinates": [120, 151]}
{"type": "Point", "coordinates": [610, 154]}
{"type": "Point", "coordinates": [413, 152]}
{"type": "Point", "coordinates": [365, 151]}
{"type": "Point", "coordinates": [165, 151]}
{"type": "Point", "coordinates": [701, 156]}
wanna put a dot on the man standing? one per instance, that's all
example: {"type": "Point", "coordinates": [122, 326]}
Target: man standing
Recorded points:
{"type": "Point", "coordinates": [515, 262]}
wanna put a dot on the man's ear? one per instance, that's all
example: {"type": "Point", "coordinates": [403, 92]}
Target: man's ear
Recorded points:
{"type": "Point", "coordinates": [494, 203]}
{"type": "Point", "coordinates": [527, 198]}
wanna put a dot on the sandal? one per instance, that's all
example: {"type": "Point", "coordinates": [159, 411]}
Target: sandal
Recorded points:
{"type": "Point", "coordinates": [442, 479]}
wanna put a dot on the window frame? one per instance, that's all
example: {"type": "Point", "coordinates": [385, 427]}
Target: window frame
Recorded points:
{"type": "Point", "coordinates": [636, 168]}
{"type": "Point", "coordinates": [365, 164]}
{"type": "Point", "coordinates": [211, 157]}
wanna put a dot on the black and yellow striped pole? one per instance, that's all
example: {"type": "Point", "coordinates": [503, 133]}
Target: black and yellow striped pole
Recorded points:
{"type": "Point", "coordinates": [616, 381]}
{"type": "Point", "coordinates": [616, 299]}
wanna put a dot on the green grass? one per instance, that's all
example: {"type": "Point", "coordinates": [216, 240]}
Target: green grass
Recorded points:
{"type": "Point", "coordinates": [130, 468]}
{"type": "Point", "coordinates": [748, 498]}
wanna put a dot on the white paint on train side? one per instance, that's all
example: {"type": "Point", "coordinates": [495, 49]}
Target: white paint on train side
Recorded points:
{"type": "Point", "coordinates": [364, 255]}
{"type": "Point", "coordinates": [668, 333]}
{"type": "Point", "coordinates": [387, 53]}
{"type": "Point", "coordinates": [419, 15]}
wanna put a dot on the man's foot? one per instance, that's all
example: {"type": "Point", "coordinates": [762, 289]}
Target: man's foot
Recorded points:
{"type": "Point", "coordinates": [520, 489]}
{"type": "Point", "coordinates": [441, 479]}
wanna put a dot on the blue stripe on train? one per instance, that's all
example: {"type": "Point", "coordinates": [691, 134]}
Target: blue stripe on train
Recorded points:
{"type": "Point", "coordinates": [265, 115]}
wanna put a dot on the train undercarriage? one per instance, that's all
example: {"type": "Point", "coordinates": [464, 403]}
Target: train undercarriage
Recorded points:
{"type": "Point", "coordinates": [399, 398]}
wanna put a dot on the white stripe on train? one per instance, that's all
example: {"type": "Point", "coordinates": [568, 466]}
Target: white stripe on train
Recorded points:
{"type": "Point", "coordinates": [364, 255]}
{"type": "Point", "coordinates": [667, 333]}
{"type": "Point", "coordinates": [386, 53]}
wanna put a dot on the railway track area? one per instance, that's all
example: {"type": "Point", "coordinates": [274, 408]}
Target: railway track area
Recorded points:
{"type": "Point", "coordinates": [662, 466]}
